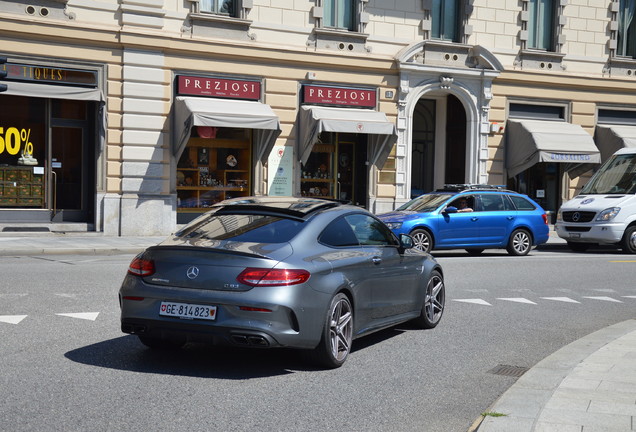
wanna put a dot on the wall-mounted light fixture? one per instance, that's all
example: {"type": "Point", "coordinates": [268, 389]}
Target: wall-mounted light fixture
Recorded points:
{"type": "Point", "coordinates": [311, 75]}
{"type": "Point", "coordinates": [496, 128]}
{"type": "Point", "coordinates": [389, 94]}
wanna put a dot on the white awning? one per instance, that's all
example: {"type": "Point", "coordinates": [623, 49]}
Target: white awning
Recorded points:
{"type": "Point", "coordinates": [316, 119]}
{"type": "Point", "coordinates": [533, 141]}
{"type": "Point", "coordinates": [193, 111]}
{"type": "Point", "coordinates": [51, 91]}
{"type": "Point", "coordinates": [610, 138]}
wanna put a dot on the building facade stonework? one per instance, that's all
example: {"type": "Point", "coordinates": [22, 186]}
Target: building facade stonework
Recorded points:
{"type": "Point", "coordinates": [364, 100]}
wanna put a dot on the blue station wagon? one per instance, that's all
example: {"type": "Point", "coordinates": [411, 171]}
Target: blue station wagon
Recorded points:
{"type": "Point", "coordinates": [471, 217]}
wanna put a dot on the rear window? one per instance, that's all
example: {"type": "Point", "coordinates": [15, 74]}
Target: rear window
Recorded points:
{"type": "Point", "coordinates": [243, 228]}
{"type": "Point", "coordinates": [521, 203]}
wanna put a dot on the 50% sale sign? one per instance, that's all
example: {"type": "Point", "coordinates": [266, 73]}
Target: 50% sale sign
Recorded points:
{"type": "Point", "coordinates": [15, 139]}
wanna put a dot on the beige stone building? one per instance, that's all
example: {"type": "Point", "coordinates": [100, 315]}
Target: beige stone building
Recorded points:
{"type": "Point", "coordinates": [129, 117]}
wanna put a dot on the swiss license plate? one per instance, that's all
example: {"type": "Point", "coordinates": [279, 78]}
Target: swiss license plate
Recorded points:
{"type": "Point", "coordinates": [575, 235]}
{"type": "Point", "coordinates": [187, 311]}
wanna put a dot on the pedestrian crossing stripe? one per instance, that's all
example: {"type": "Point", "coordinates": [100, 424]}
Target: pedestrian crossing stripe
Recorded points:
{"type": "Point", "coordinates": [603, 298]}
{"type": "Point", "coordinates": [561, 299]}
{"type": "Point", "coordinates": [474, 301]}
{"type": "Point", "coordinates": [92, 316]}
{"type": "Point", "coordinates": [12, 319]}
{"type": "Point", "coordinates": [517, 300]}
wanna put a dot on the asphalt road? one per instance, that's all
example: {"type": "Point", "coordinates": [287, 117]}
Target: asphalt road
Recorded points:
{"type": "Point", "coordinates": [66, 366]}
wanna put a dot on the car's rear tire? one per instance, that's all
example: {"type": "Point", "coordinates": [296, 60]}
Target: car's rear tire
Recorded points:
{"type": "Point", "coordinates": [434, 301]}
{"type": "Point", "coordinates": [160, 343]}
{"type": "Point", "coordinates": [337, 334]}
{"type": "Point", "coordinates": [628, 242]}
{"type": "Point", "coordinates": [579, 247]}
{"type": "Point", "coordinates": [474, 251]}
{"type": "Point", "coordinates": [422, 240]}
{"type": "Point", "coordinates": [520, 243]}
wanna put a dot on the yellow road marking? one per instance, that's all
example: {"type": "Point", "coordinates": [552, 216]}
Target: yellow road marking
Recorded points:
{"type": "Point", "coordinates": [630, 261]}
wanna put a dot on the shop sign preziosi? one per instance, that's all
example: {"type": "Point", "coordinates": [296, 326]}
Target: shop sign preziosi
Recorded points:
{"type": "Point", "coordinates": [218, 87]}
{"type": "Point", "coordinates": [341, 96]}
{"type": "Point", "coordinates": [50, 75]}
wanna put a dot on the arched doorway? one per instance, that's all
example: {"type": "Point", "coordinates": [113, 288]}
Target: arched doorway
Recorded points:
{"type": "Point", "coordinates": [438, 148]}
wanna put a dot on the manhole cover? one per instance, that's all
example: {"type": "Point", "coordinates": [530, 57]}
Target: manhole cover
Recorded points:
{"type": "Point", "coordinates": [507, 370]}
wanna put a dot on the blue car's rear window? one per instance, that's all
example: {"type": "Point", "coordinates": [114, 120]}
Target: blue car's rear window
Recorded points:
{"type": "Point", "coordinates": [521, 203]}
{"type": "Point", "coordinates": [243, 228]}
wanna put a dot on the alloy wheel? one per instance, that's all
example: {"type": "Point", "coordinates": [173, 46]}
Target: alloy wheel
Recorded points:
{"type": "Point", "coordinates": [421, 240]}
{"type": "Point", "coordinates": [341, 329]}
{"type": "Point", "coordinates": [435, 299]}
{"type": "Point", "coordinates": [521, 242]}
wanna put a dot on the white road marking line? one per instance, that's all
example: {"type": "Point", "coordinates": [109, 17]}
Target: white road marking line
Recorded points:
{"type": "Point", "coordinates": [474, 301]}
{"type": "Point", "coordinates": [561, 299]}
{"type": "Point", "coordinates": [92, 316]}
{"type": "Point", "coordinates": [609, 299]}
{"type": "Point", "coordinates": [12, 319]}
{"type": "Point", "coordinates": [517, 300]}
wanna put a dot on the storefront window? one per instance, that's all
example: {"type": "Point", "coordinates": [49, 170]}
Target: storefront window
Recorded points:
{"type": "Point", "coordinates": [541, 182]}
{"type": "Point", "coordinates": [22, 152]}
{"type": "Point", "coordinates": [337, 168]}
{"type": "Point", "coordinates": [216, 165]}
{"type": "Point", "coordinates": [68, 109]}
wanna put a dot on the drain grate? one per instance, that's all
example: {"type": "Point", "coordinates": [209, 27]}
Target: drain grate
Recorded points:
{"type": "Point", "coordinates": [25, 229]}
{"type": "Point", "coordinates": [507, 370]}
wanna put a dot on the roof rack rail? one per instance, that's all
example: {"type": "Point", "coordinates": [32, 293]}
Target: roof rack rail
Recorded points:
{"type": "Point", "coordinates": [462, 187]}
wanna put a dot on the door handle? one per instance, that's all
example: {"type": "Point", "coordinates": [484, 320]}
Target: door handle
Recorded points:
{"type": "Point", "coordinates": [474, 219]}
{"type": "Point", "coordinates": [510, 217]}
{"type": "Point", "coordinates": [376, 260]}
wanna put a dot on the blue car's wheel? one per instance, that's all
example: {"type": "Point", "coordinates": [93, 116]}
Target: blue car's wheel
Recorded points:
{"type": "Point", "coordinates": [519, 243]}
{"type": "Point", "coordinates": [422, 240]}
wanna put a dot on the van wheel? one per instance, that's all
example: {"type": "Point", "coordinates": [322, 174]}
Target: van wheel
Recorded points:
{"type": "Point", "coordinates": [578, 247]}
{"type": "Point", "coordinates": [628, 242]}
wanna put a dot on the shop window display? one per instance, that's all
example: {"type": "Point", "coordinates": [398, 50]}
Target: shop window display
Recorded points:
{"type": "Point", "coordinates": [22, 152]}
{"type": "Point", "coordinates": [215, 165]}
{"type": "Point", "coordinates": [317, 179]}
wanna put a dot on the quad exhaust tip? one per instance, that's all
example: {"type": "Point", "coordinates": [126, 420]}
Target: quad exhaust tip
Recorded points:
{"type": "Point", "coordinates": [250, 340]}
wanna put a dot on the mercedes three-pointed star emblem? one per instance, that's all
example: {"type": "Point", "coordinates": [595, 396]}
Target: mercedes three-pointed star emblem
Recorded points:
{"type": "Point", "coordinates": [192, 272]}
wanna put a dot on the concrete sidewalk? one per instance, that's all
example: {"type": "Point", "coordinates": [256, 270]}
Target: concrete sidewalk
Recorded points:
{"type": "Point", "coordinates": [589, 385]}
{"type": "Point", "coordinates": [45, 243]}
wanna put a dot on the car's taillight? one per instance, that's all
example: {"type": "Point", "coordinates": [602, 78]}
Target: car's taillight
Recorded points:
{"type": "Point", "coordinates": [272, 277]}
{"type": "Point", "coordinates": [141, 266]}
{"type": "Point", "coordinates": [545, 219]}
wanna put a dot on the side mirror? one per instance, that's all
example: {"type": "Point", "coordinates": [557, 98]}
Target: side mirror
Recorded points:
{"type": "Point", "coordinates": [406, 241]}
{"type": "Point", "coordinates": [450, 209]}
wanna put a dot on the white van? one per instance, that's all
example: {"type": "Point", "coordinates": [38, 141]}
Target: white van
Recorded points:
{"type": "Point", "coordinates": [604, 212]}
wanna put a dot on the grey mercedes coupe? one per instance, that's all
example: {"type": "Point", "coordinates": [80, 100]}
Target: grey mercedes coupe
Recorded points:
{"type": "Point", "coordinates": [280, 272]}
